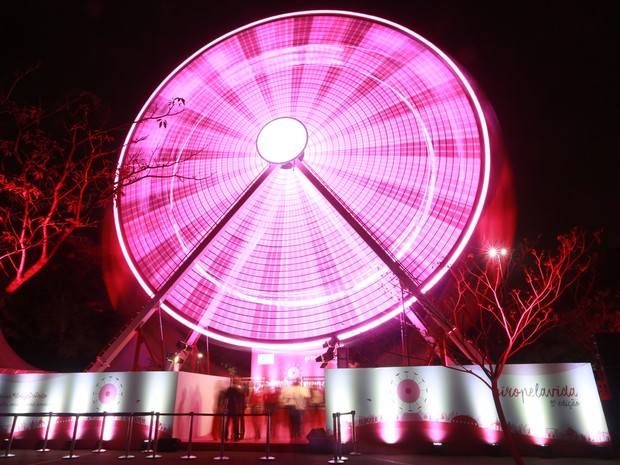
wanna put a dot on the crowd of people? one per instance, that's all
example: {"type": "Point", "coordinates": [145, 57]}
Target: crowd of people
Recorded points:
{"type": "Point", "coordinates": [291, 406]}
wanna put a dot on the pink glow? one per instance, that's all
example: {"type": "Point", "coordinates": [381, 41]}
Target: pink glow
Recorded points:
{"type": "Point", "coordinates": [408, 391]}
{"type": "Point", "coordinates": [436, 432]}
{"type": "Point", "coordinates": [107, 394]}
{"type": "Point", "coordinates": [394, 130]}
{"type": "Point", "coordinates": [491, 436]}
{"type": "Point", "coordinates": [390, 432]}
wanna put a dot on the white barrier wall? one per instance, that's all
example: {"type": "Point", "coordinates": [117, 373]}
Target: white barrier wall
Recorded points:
{"type": "Point", "coordinates": [198, 394]}
{"type": "Point", "coordinates": [113, 393]}
{"type": "Point", "coordinates": [542, 402]}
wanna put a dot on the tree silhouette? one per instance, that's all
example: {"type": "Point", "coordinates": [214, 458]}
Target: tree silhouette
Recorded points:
{"type": "Point", "coordinates": [57, 171]}
{"type": "Point", "coordinates": [504, 301]}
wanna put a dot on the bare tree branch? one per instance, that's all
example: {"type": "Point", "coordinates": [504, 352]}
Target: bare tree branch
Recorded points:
{"type": "Point", "coordinates": [503, 303]}
{"type": "Point", "coordinates": [58, 170]}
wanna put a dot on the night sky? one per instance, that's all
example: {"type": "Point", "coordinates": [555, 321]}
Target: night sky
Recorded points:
{"type": "Point", "coordinates": [549, 69]}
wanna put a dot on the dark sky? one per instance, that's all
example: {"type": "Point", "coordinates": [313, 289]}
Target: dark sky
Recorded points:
{"type": "Point", "coordinates": [550, 70]}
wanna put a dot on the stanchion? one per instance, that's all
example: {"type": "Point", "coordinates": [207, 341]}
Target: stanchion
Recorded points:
{"type": "Point", "coordinates": [129, 428]}
{"type": "Point", "coordinates": [189, 442]}
{"type": "Point", "coordinates": [7, 451]}
{"type": "Point", "coordinates": [268, 438]}
{"type": "Point", "coordinates": [337, 458]}
{"type": "Point", "coordinates": [340, 438]}
{"type": "Point", "coordinates": [72, 448]}
{"type": "Point", "coordinates": [100, 448]}
{"type": "Point", "coordinates": [222, 456]}
{"type": "Point", "coordinates": [149, 442]}
{"type": "Point", "coordinates": [154, 454]}
{"type": "Point", "coordinates": [47, 435]}
{"type": "Point", "coordinates": [338, 435]}
{"type": "Point", "coordinates": [353, 435]}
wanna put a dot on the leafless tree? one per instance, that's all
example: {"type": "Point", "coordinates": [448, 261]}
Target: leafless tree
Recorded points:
{"type": "Point", "coordinates": [57, 171]}
{"type": "Point", "coordinates": [504, 301]}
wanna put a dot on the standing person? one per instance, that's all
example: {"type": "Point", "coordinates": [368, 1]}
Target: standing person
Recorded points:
{"type": "Point", "coordinates": [257, 401]}
{"type": "Point", "coordinates": [235, 406]}
{"type": "Point", "coordinates": [295, 398]}
{"type": "Point", "coordinates": [271, 402]}
{"type": "Point", "coordinates": [221, 406]}
{"type": "Point", "coordinates": [317, 405]}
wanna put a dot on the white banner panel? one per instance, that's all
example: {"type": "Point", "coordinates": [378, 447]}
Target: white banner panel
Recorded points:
{"type": "Point", "coordinates": [88, 392]}
{"type": "Point", "coordinates": [197, 394]}
{"type": "Point", "coordinates": [85, 393]}
{"type": "Point", "coordinates": [544, 402]}
{"type": "Point", "coordinates": [122, 393]}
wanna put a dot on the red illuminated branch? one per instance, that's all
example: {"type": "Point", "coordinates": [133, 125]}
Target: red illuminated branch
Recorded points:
{"type": "Point", "coordinates": [57, 172]}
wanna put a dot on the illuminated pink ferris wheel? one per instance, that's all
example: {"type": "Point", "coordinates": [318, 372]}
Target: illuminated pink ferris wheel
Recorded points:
{"type": "Point", "coordinates": [320, 159]}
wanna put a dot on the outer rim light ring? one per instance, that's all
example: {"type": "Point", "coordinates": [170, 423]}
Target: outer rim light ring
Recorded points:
{"type": "Point", "coordinates": [149, 280]}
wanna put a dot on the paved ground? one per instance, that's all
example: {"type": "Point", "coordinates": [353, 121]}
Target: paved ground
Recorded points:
{"type": "Point", "coordinates": [287, 457]}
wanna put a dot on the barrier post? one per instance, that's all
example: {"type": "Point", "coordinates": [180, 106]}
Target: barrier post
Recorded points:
{"type": "Point", "coordinates": [337, 458]}
{"type": "Point", "coordinates": [267, 456]}
{"type": "Point", "coordinates": [149, 442]}
{"type": "Point", "coordinates": [191, 434]}
{"type": "Point", "coordinates": [154, 454]}
{"type": "Point", "coordinates": [353, 435]}
{"type": "Point", "coordinates": [222, 456]}
{"type": "Point", "coordinates": [47, 435]}
{"type": "Point", "coordinates": [340, 456]}
{"type": "Point", "coordinates": [7, 451]}
{"type": "Point", "coordinates": [100, 448]}
{"type": "Point", "coordinates": [129, 428]}
{"type": "Point", "coordinates": [72, 448]}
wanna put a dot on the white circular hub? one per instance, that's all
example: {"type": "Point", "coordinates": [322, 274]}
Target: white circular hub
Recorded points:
{"type": "Point", "coordinates": [282, 140]}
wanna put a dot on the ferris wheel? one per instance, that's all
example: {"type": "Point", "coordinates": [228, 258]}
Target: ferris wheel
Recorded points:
{"type": "Point", "coordinates": [311, 162]}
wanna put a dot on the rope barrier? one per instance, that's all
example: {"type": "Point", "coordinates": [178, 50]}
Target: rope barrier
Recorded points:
{"type": "Point", "coordinates": [151, 443]}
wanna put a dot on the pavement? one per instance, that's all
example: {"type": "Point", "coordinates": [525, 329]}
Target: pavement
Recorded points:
{"type": "Point", "coordinates": [301, 455]}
